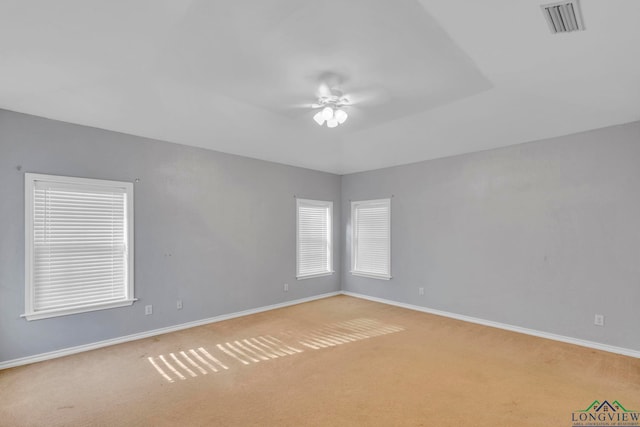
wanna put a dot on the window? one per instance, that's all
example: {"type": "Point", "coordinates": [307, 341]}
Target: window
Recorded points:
{"type": "Point", "coordinates": [371, 239]}
{"type": "Point", "coordinates": [79, 245]}
{"type": "Point", "coordinates": [313, 238]}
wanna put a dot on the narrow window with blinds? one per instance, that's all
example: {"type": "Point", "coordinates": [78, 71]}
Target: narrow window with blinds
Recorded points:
{"type": "Point", "coordinates": [371, 238]}
{"type": "Point", "coordinates": [313, 238]}
{"type": "Point", "coordinates": [79, 245]}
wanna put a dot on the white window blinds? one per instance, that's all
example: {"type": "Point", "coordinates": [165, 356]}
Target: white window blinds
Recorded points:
{"type": "Point", "coordinates": [314, 247]}
{"type": "Point", "coordinates": [371, 238]}
{"type": "Point", "coordinates": [79, 245]}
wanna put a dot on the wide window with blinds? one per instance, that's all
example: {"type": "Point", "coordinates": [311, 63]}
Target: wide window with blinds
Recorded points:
{"type": "Point", "coordinates": [371, 238]}
{"type": "Point", "coordinates": [79, 245]}
{"type": "Point", "coordinates": [313, 238]}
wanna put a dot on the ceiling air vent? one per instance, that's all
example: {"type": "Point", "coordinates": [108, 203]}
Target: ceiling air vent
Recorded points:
{"type": "Point", "coordinates": [564, 16]}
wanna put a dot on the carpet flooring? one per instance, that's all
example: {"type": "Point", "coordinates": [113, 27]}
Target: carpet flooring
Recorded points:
{"type": "Point", "coordinates": [339, 361]}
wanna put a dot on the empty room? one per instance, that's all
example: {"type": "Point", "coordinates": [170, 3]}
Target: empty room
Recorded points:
{"type": "Point", "coordinates": [337, 213]}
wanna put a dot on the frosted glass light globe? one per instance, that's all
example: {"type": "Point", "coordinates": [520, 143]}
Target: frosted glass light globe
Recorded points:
{"type": "Point", "coordinates": [341, 116]}
{"type": "Point", "coordinates": [318, 118]}
{"type": "Point", "coordinates": [327, 113]}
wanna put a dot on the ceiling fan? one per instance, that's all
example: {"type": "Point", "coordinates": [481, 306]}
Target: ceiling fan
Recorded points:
{"type": "Point", "coordinates": [333, 104]}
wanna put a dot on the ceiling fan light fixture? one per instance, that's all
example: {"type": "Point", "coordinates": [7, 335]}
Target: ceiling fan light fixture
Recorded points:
{"type": "Point", "coordinates": [340, 116]}
{"type": "Point", "coordinates": [327, 113]}
{"type": "Point", "coordinates": [319, 118]}
{"type": "Point", "coordinates": [331, 102]}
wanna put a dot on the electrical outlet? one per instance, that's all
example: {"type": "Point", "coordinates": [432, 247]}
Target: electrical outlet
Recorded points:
{"type": "Point", "coordinates": [286, 287]}
{"type": "Point", "coordinates": [179, 304]}
{"type": "Point", "coordinates": [148, 309]}
{"type": "Point", "coordinates": [599, 320]}
{"type": "Point", "coordinates": [420, 291]}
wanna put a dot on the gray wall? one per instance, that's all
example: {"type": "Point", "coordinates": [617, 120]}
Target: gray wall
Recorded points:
{"type": "Point", "coordinates": [541, 235]}
{"type": "Point", "coordinates": [216, 230]}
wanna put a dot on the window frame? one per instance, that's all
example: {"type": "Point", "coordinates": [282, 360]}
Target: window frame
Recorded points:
{"type": "Point", "coordinates": [354, 239]}
{"type": "Point", "coordinates": [322, 203]}
{"type": "Point", "coordinates": [30, 184]}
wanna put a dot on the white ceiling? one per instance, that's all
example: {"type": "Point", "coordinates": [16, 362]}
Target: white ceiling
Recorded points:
{"type": "Point", "coordinates": [438, 77]}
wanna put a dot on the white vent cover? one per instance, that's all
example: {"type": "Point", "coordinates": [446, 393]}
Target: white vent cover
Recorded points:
{"type": "Point", "coordinates": [564, 16]}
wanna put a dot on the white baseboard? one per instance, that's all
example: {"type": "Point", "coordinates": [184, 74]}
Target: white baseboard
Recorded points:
{"type": "Point", "coordinates": [547, 335]}
{"type": "Point", "coordinates": [86, 347]}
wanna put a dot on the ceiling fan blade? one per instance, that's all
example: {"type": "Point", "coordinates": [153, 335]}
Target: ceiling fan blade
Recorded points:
{"type": "Point", "coordinates": [305, 105]}
{"type": "Point", "coordinates": [368, 97]}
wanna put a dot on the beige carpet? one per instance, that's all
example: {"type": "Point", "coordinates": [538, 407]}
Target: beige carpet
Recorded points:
{"type": "Point", "coordinates": [335, 362]}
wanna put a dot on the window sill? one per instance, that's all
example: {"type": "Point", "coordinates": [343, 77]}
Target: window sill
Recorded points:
{"type": "Point", "coordinates": [45, 314]}
{"type": "Point", "coordinates": [371, 275]}
{"type": "Point", "coordinates": [311, 276]}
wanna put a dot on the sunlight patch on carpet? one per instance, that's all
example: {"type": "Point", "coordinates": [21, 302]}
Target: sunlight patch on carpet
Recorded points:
{"type": "Point", "coordinates": [345, 332]}
{"type": "Point", "coordinates": [246, 351]}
